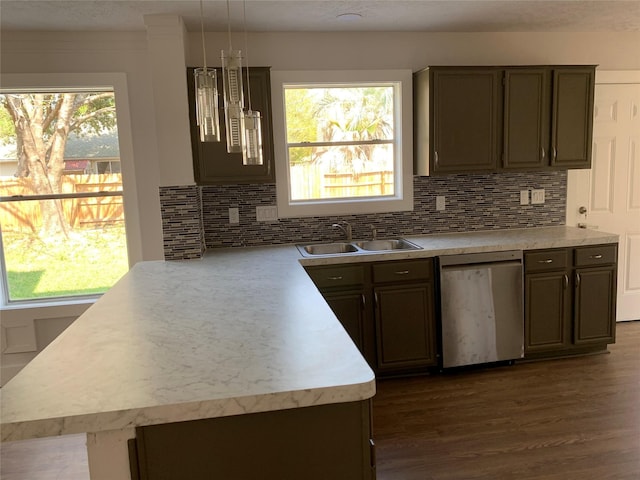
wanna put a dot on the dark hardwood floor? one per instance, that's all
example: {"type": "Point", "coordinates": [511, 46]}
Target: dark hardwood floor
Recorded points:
{"type": "Point", "coordinates": [567, 419]}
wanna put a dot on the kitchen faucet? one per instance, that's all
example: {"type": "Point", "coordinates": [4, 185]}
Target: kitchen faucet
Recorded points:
{"type": "Point", "coordinates": [346, 228]}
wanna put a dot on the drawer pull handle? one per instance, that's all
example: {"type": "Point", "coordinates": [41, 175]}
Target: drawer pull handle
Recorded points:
{"type": "Point", "coordinates": [545, 261]}
{"type": "Point", "coordinates": [402, 272]}
{"type": "Point", "coordinates": [566, 281]}
{"type": "Point", "coordinates": [335, 278]}
{"type": "Point", "coordinates": [596, 257]}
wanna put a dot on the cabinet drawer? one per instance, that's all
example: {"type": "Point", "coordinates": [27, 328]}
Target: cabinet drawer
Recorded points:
{"type": "Point", "coordinates": [337, 276]}
{"type": "Point", "coordinates": [403, 271]}
{"type": "Point", "coordinates": [546, 260]}
{"type": "Point", "coordinates": [597, 255]}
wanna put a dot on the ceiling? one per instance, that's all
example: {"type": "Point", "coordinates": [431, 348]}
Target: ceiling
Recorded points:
{"type": "Point", "coordinates": [324, 15]}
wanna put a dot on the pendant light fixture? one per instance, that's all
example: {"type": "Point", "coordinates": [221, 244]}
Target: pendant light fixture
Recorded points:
{"type": "Point", "coordinates": [206, 82]}
{"type": "Point", "coordinates": [251, 121]}
{"type": "Point", "coordinates": [233, 95]}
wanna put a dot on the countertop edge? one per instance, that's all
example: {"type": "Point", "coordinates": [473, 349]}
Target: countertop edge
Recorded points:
{"type": "Point", "coordinates": [188, 411]}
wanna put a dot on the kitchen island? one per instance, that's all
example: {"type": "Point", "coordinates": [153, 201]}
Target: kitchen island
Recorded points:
{"type": "Point", "coordinates": [231, 335]}
{"type": "Point", "coordinates": [241, 332]}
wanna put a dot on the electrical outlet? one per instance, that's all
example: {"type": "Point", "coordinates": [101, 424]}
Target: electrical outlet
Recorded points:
{"type": "Point", "coordinates": [268, 213]}
{"type": "Point", "coordinates": [234, 215]}
{"type": "Point", "coordinates": [537, 196]}
{"type": "Point", "coordinates": [524, 197]}
{"type": "Point", "coordinates": [440, 202]}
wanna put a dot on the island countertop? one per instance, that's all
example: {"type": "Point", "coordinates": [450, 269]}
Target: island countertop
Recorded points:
{"type": "Point", "coordinates": [243, 330]}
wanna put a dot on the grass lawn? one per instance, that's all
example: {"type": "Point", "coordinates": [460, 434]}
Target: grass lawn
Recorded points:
{"type": "Point", "coordinates": [89, 262]}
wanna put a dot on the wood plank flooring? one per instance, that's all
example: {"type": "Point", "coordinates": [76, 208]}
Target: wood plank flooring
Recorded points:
{"type": "Point", "coordinates": [567, 419]}
{"type": "Point", "coordinates": [572, 418]}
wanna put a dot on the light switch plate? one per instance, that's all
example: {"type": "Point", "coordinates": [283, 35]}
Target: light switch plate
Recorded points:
{"type": "Point", "coordinates": [440, 202]}
{"type": "Point", "coordinates": [537, 196]}
{"type": "Point", "coordinates": [234, 215]}
{"type": "Point", "coordinates": [524, 197]}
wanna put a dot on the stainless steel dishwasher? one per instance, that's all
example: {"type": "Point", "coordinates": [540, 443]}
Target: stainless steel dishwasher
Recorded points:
{"type": "Point", "coordinates": [481, 305]}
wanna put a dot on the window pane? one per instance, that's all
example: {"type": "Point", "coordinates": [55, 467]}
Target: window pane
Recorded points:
{"type": "Point", "coordinates": [352, 171]}
{"type": "Point", "coordinates": [88, 260]}
{"type": "Point", "coordinates": [332, 114]}
{"type": "Point", "coordinates": [54, 146]}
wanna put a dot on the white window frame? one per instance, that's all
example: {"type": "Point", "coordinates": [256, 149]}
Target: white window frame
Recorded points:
{"type": "Point", "coordinates": [117, 82]}
{"type": "Point", "coordinates": [402, 200]}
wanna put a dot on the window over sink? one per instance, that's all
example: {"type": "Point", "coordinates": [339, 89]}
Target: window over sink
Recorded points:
{"type": "Point", "coordinates": [343, 141]}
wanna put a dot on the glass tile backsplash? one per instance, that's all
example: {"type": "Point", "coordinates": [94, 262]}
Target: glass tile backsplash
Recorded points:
{"type": "Point", "coordinates": [195, 218]}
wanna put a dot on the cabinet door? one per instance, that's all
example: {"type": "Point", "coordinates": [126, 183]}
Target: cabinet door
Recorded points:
{"type": "Point", "coordinates": [466, 120]}
{"type": "Point", "coordinates": [547, 312]}
{"type": "Point", "coordinates": [211, 162]}
{"type": "Point", "coordinates": [349, 308]}
{"type": "Point", "coordinates": [405, 326]}
{"type": "Point", "coordinates": [595, 305]}
{"type": "Point", "coordinates": [572, 117]}
{"type": "Point", "coordinates": [527, 99]}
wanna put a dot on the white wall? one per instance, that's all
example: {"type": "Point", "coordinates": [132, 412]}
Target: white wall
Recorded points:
{"type": "Point", "coordinates": [313, 51]}
{"type": "Point", "coordinates": [133, 54]}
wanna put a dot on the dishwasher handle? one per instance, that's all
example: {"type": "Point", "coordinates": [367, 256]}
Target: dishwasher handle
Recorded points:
{"type": "Point", "coordinates": [509, 256]}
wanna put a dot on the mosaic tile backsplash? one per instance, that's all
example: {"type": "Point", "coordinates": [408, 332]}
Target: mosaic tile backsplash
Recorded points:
{"type": "Point", "coordinates": [473, 202]}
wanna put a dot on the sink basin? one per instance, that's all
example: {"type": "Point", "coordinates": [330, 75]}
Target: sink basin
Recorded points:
{"type": "Point", "coordinates": [362, 246]}
{"type": "Point", "coordinates": [391, 244]}
{"type": "Point", "coordinates": [328, 248]}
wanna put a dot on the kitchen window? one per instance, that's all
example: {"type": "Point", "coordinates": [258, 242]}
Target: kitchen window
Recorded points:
{"type": "Point", "coordinates": [343, 142]}
{"type": "Point", "coordinates": [62, 222]}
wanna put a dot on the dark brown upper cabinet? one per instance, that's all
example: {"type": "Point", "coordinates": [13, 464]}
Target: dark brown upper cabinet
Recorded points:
{"type": "Point", "coordinates": [548, 117]}
{"type": "Point", "coordinates": [572, 117]}
{"type": "Point", "coordinates": [211, 162]}
{"type": "Point", "coordinates": [465, 115]}
{"type": "Point", "coordinates": [490, 119]}
{"type": "Point", "coordinates": [527, 100]}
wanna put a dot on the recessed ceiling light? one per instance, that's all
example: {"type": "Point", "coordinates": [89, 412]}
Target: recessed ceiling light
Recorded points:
{"type": "Point", "coordinates": [349, 17]}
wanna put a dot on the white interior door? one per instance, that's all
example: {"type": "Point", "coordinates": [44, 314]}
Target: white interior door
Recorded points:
{"type": "Point", "coordinates": [607, 196]}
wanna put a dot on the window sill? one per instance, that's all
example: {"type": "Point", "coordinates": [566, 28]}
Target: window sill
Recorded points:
{"type": "Point", "coordinates": [46, 303]}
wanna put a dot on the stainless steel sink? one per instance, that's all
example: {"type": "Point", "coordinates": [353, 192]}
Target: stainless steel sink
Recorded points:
{"type": "Point", "coordinates": [329, 248]}
{"type": "Point", "coordinates": [362, 246]}
{"type": "Point", "coordinates": [383, 245]}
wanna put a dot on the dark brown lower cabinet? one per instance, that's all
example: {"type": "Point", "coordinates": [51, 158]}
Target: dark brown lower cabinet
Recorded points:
{"type": "Point", "coordinates": [311, 443]}
{"type": "Point", "coordinates": [569, 300]}
{"type": "Point", "coordinates": [595, 305]}
{"type": "Point", "coordinates": [388, 309]}
{"type": "Point", "coordinates": [404, 315]}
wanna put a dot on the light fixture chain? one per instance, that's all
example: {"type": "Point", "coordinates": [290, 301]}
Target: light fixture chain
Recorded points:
{"type": "Point", "coordinates": [204, 48]}
{"type": "Point", "coordinates": [246, 48]}
{"type": "Point", "coordinates": [229, 24]}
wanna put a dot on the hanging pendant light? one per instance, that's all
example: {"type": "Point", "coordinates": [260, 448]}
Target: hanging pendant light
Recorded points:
{"type": "Point", "coordinates": [251, 120]}
{"type": "Point", "coordinates": [206, 83]}
{"type": "Point", "coordinates": [233, 95]}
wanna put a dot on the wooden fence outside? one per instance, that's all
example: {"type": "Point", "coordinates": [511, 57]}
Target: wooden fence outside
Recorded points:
{"type": "Point", "coordinates": [25, 216]}
{"type": "Point", "coordinates": [305, 184]}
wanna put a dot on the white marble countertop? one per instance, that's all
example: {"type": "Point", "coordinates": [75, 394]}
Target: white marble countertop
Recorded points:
{"type": "Point", "coordinates": [240, 331]}
{"type": "Point", "coordinates": [474, 242]}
